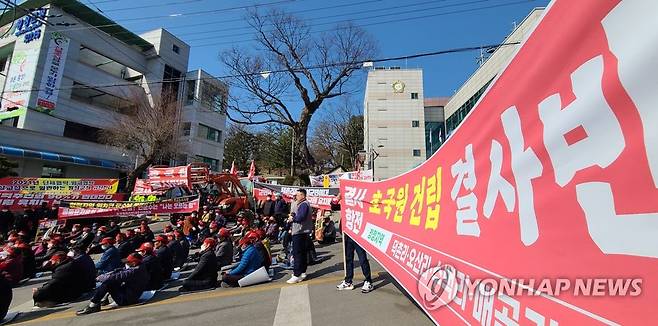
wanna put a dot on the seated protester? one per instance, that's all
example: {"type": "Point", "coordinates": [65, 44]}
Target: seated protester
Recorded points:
{"type": "Point", "coordinates": [152, 265]}
{"type": "Point", "coordinates": [29, 262]}
{"type": "Point", "coordinates": [146, 232]}
{"type": "Point", "coordinates": [180, 257]}
{"type": "Point", "coordinates": [76, 232]}
{"type": "Point", "coordinates": [204, 232]}
{"type": "Point", "coordinates": [6, 296]}
{"type": "Point", "coordinates": [84, 240]}
{"type": "Point", "coordinates": [65, 284]}
{"type": "Point", "coordinates": [110, 260]}
{"type": "Point", "coordinates": [328, 231]}
{"type": "Point", "coordinates": [95, 247]}
{"type": "Point", "coordinates": [113, 230]}
{"type": "Point", "coordinates": [54, 246]}
{"type": "Point", "coordinates": [263, 250]}
{"type": "Point", "coordinates": [213, 229]}
{"type": "Point", "coordinates": [11, 265]}
{"type": "Point", "coordinates": [251, 261]}
{"type": "Point", "coordinates": [168, 229]}
{"type": "Point", "coordinates": [125, 285]}
{"type": "Point", "coordinates": [180, 236]}
{"type": "Point", "coordinates": [224, 249]}
{"type": "Point", "coordinates": [204, 275]}
{"type": "Point", "coordinates": [272, 229]}
{"type": "Point", "coordinates": [86, 264]}
{"type": "Point", "coordinates": [123, 245]}
{"type": "Point", "coordinates": [219, 218]}
{"type": "Point", "coordinates": [134, 240]}
{"type": "Point", "coordinates": [165, 256]}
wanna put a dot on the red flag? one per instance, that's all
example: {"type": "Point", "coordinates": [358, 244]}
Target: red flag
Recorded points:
{"type": "Point", "coordinates": [234, 170]}
{"type": "Point", "coordinates": [252, 170]}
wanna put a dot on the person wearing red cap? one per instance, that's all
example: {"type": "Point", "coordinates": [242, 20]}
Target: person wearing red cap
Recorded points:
{"type": "Point", "coordinates": [12, 265]}
{"type": "Point", "coordinates": [123, 245]}
{"type": "Point", "coordinates": [76, 231]}
{"type": "Point", "coordinates": [65, 284]}
{"type": "Point", "coordinates": [224, 249]}
{"type": "Point", "coordinates": [204, 275]}
{"type": "Point", "coordinates": [251, 261]}
{"type": "Point", "coordinates": [84, 240]}
{"type": "Point", "coordinates": [179, 257]}
{"type": "Point", "coordinates": [165, 255]}
{"type": "Point", "coordinates": [110, 260]}
{"type": "Point", "coordinates": [152, 265]}
{"type": "Point", "coordinates": [185, 247]}
{"type": "Point", "coordinates": [54, 245]}
{"type": "Point", "coordinates": [125, 286]}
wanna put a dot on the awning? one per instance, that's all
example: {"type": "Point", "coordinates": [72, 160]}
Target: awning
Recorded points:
{"type": "Point", "coordinates": [50, 156]}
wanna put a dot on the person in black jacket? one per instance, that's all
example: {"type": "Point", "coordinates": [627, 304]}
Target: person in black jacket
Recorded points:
{"type": "Point", "coordinates": [54, 246]}
{"type": "Point", "coordinates": [152, 265]}
{"type": "Point", "coordinates": [6, 296]}
{"type": "Point", "coordinates": [204, 275]}
{"type": "Point", "coordinates": [180, 257]}
{"type": "Point", "coordinates": [165, 256]}
{"type": "Point", "coordinates": [65, 284]}
{"type": "Point", "coordinates": [88, 276]}
{"type": "Point", "coordinates": [268, 207]}
{"type": "Point", "coordinates": [84, 240]}
{"type": "Point", "coordinates": [113, 229]}
{"type": "Point", "coordinates": [123, 245]}
{"type": "Point", "coordinates": [6, 221]}
{"type": "Point", "coordinates": [180, 236]}
{"type": "Point", "coordinates": [124, 285]}
{"type": "Point", "coordinates": [224, 249]}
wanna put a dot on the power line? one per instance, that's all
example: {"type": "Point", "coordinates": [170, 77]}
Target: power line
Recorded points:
{"type": "Point", "coordinates": [296, 69]}
{"type": "Point", "coordinates": [387, 21]}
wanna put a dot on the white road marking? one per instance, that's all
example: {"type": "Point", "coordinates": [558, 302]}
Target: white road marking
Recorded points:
{"type": "Point", "coordinates": [294, 307]}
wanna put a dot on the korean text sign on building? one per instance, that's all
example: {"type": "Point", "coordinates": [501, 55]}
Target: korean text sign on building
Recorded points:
{"type": "Point", "coordinates": [553, 176]}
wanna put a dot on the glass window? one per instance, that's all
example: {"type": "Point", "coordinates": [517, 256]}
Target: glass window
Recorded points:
{"type": "Point", "coordinates": [48, 171]}
{"type": "Point", "coordinates": [187, 127]}
{"type": "Point", "coordinates": [11, 122]}
{"type": "Point", "coordinates": [416, 152]}
{"type": "Point", "coordinates": [414, 96]}
{"type": "Point", "coordinates": [213, 163]}
{"type": "Point", "coordinates": [175, 48]}
{"type": "Point", "coordinates": [415, 123]}
{"type": "Point", "coordinates": [209, 133]}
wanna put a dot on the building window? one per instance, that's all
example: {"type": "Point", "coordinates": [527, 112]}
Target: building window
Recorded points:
{"type": "Point", "coordinates": [209, 133]}
{"type": "Point", "coordinates": [52, 172]}
{"type": "Point", "coordinates": [176, 49]}
{"type": "Point", "coordinates": [190, 89]}
{"type": "Point", "coordinates": [415, 124]}
{"type": "Point", "coordinates": [171, 82]}
{"type": "Point", "coordinates": [82, 132]}
{"type": "Point", "coordinates": [187, 127]}
{"type": "Point", "coordinates": [416, 152]}
{"type": "Point", "coordinates": [213, 163]}
{"type": "Point", "coordinates": [414, 96]}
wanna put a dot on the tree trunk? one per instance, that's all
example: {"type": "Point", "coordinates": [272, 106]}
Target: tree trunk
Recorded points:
{"type": "Point", "coordinates": [301, 146]}
{"type": "Point", "coordinates": [131, 179]}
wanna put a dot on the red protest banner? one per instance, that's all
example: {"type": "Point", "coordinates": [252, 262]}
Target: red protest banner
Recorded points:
{"type": "Point", "coordinates": [58, 186]}
{"type": "Point", "coordinates": [316, 197]}
{"type": "Point", "coordinates": [167, 178]}
{"type": "Point", "coordinates": [17, 201]}
{"type": "Point", "coordinates": [541, 207]}
{"type": "Point", "coordinates": [75, 210]}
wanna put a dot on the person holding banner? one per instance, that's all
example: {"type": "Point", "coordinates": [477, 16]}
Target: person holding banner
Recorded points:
{"type": "Point", "coordinates": [350, 248]}
{"type": "Point", "coordinates": [302, 227]}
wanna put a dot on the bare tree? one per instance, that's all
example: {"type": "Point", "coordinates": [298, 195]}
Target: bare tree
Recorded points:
{"type": "Point", "coordinates": [151, 132]}
{"type": "Point", "coordinates": [339, 137]}
{"type": "Point", "coordinates": [306, 70]}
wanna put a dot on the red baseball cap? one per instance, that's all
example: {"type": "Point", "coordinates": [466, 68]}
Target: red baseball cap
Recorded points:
{"type": "Point", "coordinates": [146, 247]}
{"type": "Point", "coordinates": [134, 259]}
{"type": "Point", "coordinates": [107, 240]}
{"type": "Point", "coordinates": [210, 242]}
{"type": "Point", "coordinates": [161, 238]}
{"type": "Point", "coordinates": [224, 233]}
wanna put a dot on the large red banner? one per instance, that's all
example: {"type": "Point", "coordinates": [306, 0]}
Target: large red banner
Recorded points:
{"type": "Point", "coordinates": [75, 210]}
{"type": "Point", "coordinates": [549, 186]}
{"type": "Point", "coordinates": [317, 197]}
{"type": "Point", "coordinates": [58, 186]}
{"type": "Point", "coordinates": [160, 179]}
{"type": "Point", "coordinates": [17, 201]}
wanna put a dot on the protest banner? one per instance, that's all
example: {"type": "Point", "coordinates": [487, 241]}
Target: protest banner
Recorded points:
{"type": "Point", "coordinates": [548, 186]}
{"type": "Point", "coordinates": [17, 201]}
{"type": "Point", "coordinates": [316, 197]}
{"type": "Point", "coordinates": [73, 210]}
{"type": "Point", "coordinates": [334, 178]}
{"type": "Point", "coordinates": [58, 186]}
{"type": "Point", "coordinates": [161, 179]}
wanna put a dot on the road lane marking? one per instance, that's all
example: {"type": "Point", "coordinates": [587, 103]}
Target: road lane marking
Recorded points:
{"type": "Point", "coordinates": [294, 307]}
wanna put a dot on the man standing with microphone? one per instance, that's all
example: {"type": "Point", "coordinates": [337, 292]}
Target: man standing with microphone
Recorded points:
{"type": "Point", "coordinates": [302, 226]}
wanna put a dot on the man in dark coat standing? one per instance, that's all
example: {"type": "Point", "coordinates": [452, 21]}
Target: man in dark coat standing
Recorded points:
{"type": "Point", "coordinates": [204, 275]}
{"type": "Point", "coordinates": [124, 285]}
{"type": "Point", "coordinates": [65, 285]}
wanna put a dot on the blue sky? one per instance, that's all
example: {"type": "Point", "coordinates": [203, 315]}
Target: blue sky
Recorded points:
{"type": "Point", "coordinates": [398, 28]}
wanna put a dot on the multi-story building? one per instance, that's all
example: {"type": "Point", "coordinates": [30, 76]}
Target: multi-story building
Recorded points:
{"type": "Point", "coordinates": [69, 72]}
{"type": "Point", "coordinates": [435, 132]}
{"type": "Point", "coordinates": [394, 121]}
{"type": "Point", "coordinates": [470, 92]}
{"type": "Point", "coordinates": [204, 120]}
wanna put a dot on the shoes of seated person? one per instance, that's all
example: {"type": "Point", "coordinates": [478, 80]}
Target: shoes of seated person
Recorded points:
{"type": "Point", "coordinates": [224, 285]}
{"type": "Point", "coordinates": [88, 310]}
{"type": "Point", "coordinates": [45, 304]}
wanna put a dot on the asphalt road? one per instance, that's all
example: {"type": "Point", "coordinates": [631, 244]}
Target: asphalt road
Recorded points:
{"type": "Point", "coordinates": [314, 301]}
